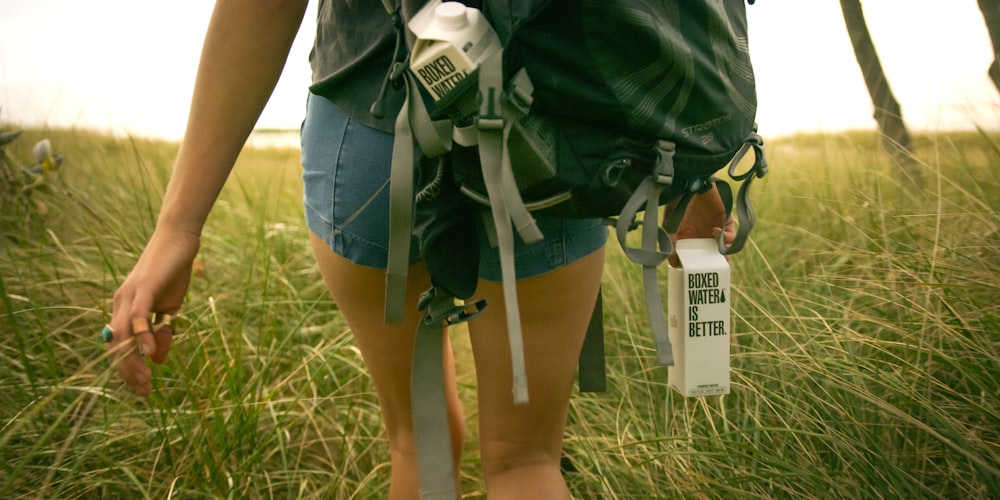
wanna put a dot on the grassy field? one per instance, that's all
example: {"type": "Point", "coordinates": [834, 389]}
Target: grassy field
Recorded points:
{"type": "Point", "coordinates": [866, 353]}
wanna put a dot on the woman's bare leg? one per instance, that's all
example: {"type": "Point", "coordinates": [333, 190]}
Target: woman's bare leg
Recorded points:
{"type": "Point", "coordinates": [359, 292]}
{"type": "Point", "coordinates": [521, 445]}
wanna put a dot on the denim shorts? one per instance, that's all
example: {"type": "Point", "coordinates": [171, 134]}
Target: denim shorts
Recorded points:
{"type": "Point", "coordinates": [346, 195]}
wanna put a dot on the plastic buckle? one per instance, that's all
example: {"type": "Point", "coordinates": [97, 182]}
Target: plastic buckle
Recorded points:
{"type": "Point", "coordinates": [461, 314]}
{"type": "Point", "coordinates": [520, 92]}
{"type": "Point", "coordinates": [664, 173]}
{"type": "Point", "coordinates": [398, 68]}
{"type": "Point", "coordinates": [489, 124]}
{"type": "Point", "coordinates": [759, 168]}
{"type": "Point", "coordinates": [442, 310]}
{"type": "Point", "coordinates": [699, 185]}
{"type": "Point", "coordinates": [490, 110]}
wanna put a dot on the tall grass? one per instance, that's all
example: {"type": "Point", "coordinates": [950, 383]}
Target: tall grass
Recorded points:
{"type": "Point", "coordinates": [866, 353]}
{"type": "Point", "coordinates": [867, 347]}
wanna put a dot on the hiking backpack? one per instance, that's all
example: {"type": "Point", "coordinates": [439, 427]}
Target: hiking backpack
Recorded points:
{"type": "Point", "coordinates": [587, 108]}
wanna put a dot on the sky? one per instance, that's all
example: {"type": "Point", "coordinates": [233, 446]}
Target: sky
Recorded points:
{"type": "Point", "coordinates": [127, 66]}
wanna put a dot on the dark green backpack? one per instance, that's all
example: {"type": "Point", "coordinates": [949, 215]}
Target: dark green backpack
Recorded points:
{"type": "Point", "coordinates": [594, 108]}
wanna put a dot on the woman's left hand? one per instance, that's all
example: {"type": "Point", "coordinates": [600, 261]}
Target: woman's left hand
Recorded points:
{"type": "Point", "coordinates": [156, 286]}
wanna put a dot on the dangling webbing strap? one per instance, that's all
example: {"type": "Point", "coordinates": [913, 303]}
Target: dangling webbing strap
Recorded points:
{"type": "Point", "coordinates": [746, 217]}
{"type": "Point", "coordinates": [504, 201]}
{"type": "Point", "coordinates": [655, 246]}
{"type": "Point", "coordinates": [434, 138]}
{"type": "Point", "coordinates": [592, 373]}
{"type": "Point", "coordinates": [431, 429]}
{"type": "Point", "coordinates": [494, 154]}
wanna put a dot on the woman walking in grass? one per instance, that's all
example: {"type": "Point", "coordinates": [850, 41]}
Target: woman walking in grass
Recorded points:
{"type": "Point", "coordinates": [346, 156]}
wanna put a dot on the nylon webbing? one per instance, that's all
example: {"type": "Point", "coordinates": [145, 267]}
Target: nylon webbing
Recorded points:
{"type": "Point", "coordinates": [655, 245]}
{"type": "Point", "coordinates": [523, 222]}
{"type": "Point", "coordinates": [491, 124]}
{"type": "Point", "coordinates": [434, 138]}
{"type": "Point", "coordinates": [516, 104]}
{"type": "Point", "coordinates": [430, 414]}
{"type": "Point", "coordinates": [400, 217]}
{"type": "Point", "coordinates": [435, 464]}
{"type": "Point", "coordinates": [745, 214]}
{"type": "Point", "coordinates": [592, 374]}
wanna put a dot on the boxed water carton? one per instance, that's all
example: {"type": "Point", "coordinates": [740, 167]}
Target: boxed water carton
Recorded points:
{"type": "Point", "coordinates": [698, 309]}
{"type": "Point", "coordinates": [452, 40]}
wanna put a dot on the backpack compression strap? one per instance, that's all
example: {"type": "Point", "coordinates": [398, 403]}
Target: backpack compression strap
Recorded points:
{"type": "Point", "coordinates": [435, 464]}
{"type": "Point", "coordinates": [434, 138]}
{"type": "Point", "coordinates": [655, 246]}
{"type": "Point", "coordinates": [506, 206]}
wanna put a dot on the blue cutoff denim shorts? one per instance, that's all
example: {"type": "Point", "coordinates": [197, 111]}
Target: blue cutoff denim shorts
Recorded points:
{"type": "Point", "coordinates": [346, 195]}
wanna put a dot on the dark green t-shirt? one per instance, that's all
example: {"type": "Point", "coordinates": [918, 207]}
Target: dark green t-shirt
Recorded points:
{"type": "Point", "coordinates": [350, 57]}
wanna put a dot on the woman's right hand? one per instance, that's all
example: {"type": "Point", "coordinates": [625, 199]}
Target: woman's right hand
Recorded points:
{"type": "Point", "coordinates": [705, 217]}
{"type": "Point", "coordinates": [157, 284]}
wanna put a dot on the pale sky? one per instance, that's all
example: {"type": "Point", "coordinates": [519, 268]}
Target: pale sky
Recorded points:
{"type": "Point", "coordinates": [127, 66]}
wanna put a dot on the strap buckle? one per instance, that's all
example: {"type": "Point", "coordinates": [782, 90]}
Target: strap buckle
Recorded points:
{"type": "Point", "coordinates": [744, 210]}
{"type": "Point", "coordinates": [520, 95]}
{"type": "Point", "coordinates": [490, 110]}
{"type": "Point", "coordinates": [699, 185]}
{"type": "Point", "coordinates": [442, 310]}
{"type": "Point", "coordinates": [759, 168]}
{"type": "Point", "coordinates": [663, 173]}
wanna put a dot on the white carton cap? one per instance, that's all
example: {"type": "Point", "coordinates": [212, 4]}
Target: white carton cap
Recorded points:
{"type": "Point", "coordinates": [451, 16]}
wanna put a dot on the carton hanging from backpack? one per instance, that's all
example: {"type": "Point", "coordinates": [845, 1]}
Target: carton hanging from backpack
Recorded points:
{"type": "Point", "coordinates": [698, 307]}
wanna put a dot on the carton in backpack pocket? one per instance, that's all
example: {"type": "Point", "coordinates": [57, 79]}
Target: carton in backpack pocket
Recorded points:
{"type": "Point", "coordinates": [698, 309]}
{"type": "Point", "coordinates": [452, 40]}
